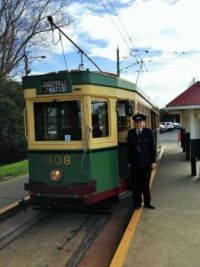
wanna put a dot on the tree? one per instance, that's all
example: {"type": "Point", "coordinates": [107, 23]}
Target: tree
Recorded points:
{"type": "Point", "coordinates": [12, 139]}
{"type": "Point", "coordinates": [24, 27]}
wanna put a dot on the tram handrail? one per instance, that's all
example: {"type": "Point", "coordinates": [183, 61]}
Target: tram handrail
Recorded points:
{"type": "Point", "coordinates": [25, 123]}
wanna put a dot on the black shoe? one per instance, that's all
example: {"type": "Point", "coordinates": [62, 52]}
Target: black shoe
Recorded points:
{"type": "Point", "coordinates": [149, 207]}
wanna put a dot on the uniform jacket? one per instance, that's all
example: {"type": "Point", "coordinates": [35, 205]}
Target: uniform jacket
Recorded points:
{"type": "Point", "coordinates": [141, 148]}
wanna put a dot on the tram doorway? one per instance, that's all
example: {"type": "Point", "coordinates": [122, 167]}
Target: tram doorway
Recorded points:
{"type": "Point", "coordinates": [124, 123]}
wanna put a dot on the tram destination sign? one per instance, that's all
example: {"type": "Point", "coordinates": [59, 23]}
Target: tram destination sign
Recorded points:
{"type": "Point", "coordinates": [54, 87]}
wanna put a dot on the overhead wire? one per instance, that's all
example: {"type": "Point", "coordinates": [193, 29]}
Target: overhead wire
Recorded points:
{"type": "Point", "coordinates": [149, 51]}
{"type": "Point", "coordinates": [128, 43]}
{"type": "Point", "coordinates": [121, 23]}
{"type": "Point", "coordinates": [153, 68]}
{"type": "Point", "coordinates": [156, 60]}
{"type": "Point", "coordinates": [124, 29]}
{"type": "Point", "coordinates": [130, 39]}
{"type": "Point", "coordinates": [116, 26]}
{"type": "Point", "coordinates": [63, 52]}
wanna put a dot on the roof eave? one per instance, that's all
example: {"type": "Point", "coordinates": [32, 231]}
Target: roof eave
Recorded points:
{"type": "Point", "coordinates": [183, 107]}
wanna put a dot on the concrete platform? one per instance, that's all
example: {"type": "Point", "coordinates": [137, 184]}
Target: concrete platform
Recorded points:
{"type": "Point", "coordinates": [12, 191]}
{"type": "Point", "coordinates": [168, 236]}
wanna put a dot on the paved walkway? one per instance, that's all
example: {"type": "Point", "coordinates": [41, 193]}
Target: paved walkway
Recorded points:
{"type": "Point", "coordinates": [168, 236]}
{"type": "Point", "coordinates": [12, 190]}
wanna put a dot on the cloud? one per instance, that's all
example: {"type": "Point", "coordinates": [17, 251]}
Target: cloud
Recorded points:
{"type": "Point", "coordinates": [156, 25]}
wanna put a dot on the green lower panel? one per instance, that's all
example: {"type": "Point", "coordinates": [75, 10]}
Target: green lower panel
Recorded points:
{"type": "Point", "coordinates": [69, 163]}
{"type": "Point", "coordinates": [76, 167]}
{"type": "Point", "coordinates": [124, 171]}
{"type": "Point", "coordinates": [105, 169]}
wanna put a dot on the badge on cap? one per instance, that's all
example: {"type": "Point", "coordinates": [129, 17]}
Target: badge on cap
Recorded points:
{"type": "Point", "coordinates": [139, 117]}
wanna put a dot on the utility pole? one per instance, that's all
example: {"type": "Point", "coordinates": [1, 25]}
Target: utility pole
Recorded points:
{"type": "Point", "coordinates": [27, 71]}
{"type": "Point", "coordinates": [118, 64]}
{"type": "Point", "coordinates": [26, 63]}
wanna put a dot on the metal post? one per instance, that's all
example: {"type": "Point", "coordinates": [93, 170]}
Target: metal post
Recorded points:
{"type": "Point", "coordinates": [26, 63]}
{"type": "Point", "coordinates": [27, 71]}
{"type": "Point", "coordinates": [118, 66]}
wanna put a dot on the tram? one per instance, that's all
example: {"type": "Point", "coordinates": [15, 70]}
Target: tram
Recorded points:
{"type": "Point", "coordinates": [76, 127]}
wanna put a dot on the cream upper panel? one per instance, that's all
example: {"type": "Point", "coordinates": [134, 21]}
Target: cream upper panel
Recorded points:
{"type": "Point", "coordinates": [90, 90]}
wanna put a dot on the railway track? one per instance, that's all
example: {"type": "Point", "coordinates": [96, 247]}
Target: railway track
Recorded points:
{"type": "Point", "coordinates": [13, 228]}
{"type": "Point", "coordinates": [54, 238]}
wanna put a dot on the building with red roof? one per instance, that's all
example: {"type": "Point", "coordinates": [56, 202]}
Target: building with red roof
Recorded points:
{"type": "Point", "coordinates": [190, 98]}
{"type": "Point", "coordinates": [187, 104]}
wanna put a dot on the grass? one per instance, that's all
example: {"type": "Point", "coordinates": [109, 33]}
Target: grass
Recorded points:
{"type": "Point", "coordinates": [14, 169]}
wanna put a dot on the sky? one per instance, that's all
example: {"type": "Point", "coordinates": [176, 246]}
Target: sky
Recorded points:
{"type": "Point", "coordinates": [158, 40]}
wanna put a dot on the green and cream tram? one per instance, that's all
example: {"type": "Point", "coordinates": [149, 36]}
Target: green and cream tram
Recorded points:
{"type": "Point", "coordinates": [76, 127]}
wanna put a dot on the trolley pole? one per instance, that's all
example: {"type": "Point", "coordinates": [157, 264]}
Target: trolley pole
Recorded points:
{"type": "Point", "coordinates": [50, 19]}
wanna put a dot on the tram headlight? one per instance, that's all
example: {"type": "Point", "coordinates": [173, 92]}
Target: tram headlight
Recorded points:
{"type": "Point", "coordinates": [55, 175]}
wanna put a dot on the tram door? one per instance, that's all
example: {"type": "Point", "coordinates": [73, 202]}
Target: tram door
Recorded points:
{"type": "Point", "coordinates": [124, 114]}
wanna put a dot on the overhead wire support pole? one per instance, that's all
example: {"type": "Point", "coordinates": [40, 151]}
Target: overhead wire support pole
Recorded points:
{"type": "Point", "coordinates": [118, 64]}
{"type": "Point", "coordinates": [50, 19]}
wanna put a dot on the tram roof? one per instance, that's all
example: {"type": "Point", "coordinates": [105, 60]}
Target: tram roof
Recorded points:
{"type": "Point", "coordinates": [81, 77]}
{"type": "Point", "coordinates": [78, 77]}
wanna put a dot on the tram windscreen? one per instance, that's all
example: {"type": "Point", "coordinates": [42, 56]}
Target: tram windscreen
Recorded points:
{"type": "Point", "coordinates": [57, 121]}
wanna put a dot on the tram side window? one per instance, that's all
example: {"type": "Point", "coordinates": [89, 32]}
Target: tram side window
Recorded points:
{"type": "Point", "coordinates": [100, 126]}
{"type": "Point", "coordinates": [57, 121]}
{"type": "Point", "coordinates": [123, 121]}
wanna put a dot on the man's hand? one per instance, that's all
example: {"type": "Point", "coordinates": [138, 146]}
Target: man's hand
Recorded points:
{"type": "Point", "coordinates": [153, 165]}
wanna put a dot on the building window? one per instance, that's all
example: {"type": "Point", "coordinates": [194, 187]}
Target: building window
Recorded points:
{"type": "Point", "coordinates": [100, 126]}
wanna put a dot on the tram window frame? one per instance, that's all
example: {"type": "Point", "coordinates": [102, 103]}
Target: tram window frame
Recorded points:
{"type": "Point", "coordinates": [100, 126]}
{"type": "Point", "coordinates": [58, 126]}
{"type": "Point", "coordinates": [123, 120]}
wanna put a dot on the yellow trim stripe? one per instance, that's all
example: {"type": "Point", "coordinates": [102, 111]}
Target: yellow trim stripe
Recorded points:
{"type": "Point", "coordinates": [13, 205]}
{"type": "Point", "coordinates": [122, 250]}
{"type": "Point", "coordinates": [124, 245]}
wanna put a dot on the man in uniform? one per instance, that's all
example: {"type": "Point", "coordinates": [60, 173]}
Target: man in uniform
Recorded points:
{"type": "Point", "coordinates": [141, 159]}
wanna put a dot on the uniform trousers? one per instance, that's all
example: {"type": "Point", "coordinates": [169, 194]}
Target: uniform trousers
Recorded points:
{"type": "Point", "coordinates": [140, 185]}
